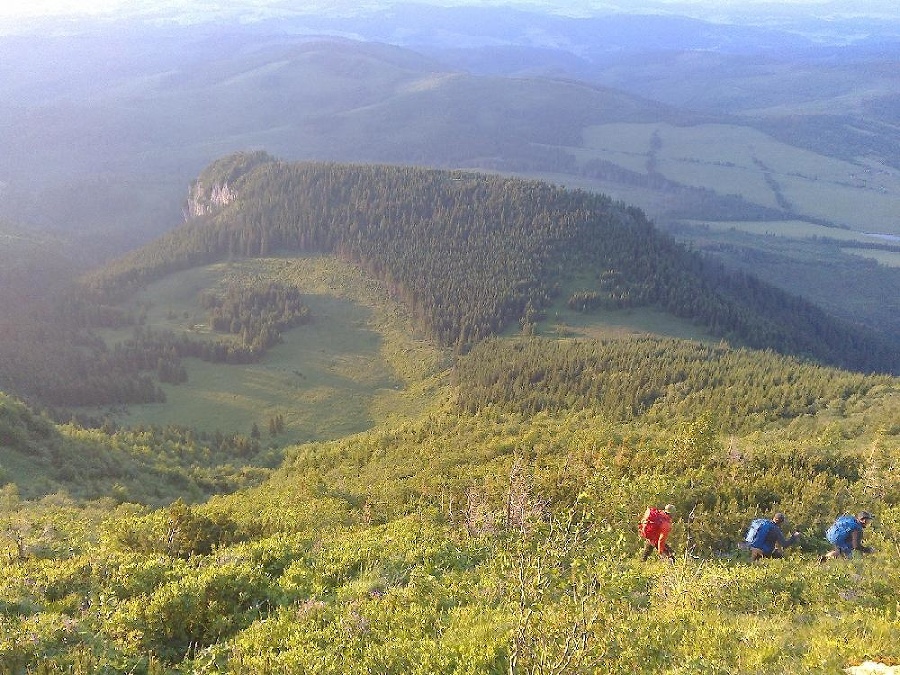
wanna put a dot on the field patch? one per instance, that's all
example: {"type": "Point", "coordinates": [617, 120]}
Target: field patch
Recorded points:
{"type": "Point", "coordinates": [731, 159]}
{"type": "Point", "coordinates": [351, 366]}
{"type": "Point", "coordinates": [886, 258]}
{"type": "Point", "coordinates": [563, 322]}
{"type": "Point", "coordinates": [794, 229]}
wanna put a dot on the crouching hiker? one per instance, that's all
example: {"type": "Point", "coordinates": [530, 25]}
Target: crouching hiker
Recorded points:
{"type": "Point", "coordinates": [654, 528]}
{"type": "Point", "coordinates": [766, 540]}
{"type": "Point", "coordinates": [846, 534]}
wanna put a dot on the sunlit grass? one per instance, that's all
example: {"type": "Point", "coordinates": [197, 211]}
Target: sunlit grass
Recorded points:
{"type": "Point", "coordinates": [732, 159]}
{"type": "Point", "coordinates": [338, 375]}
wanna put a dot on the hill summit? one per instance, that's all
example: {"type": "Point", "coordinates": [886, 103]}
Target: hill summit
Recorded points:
{"type": "Point", "coordinates": [474, 254]}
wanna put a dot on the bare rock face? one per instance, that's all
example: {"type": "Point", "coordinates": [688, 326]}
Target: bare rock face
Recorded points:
{"type": "Point", "coordinates": [873, 668]}
{"type": "Point", "coordinates": [218, 184]}
{"type": "Point", "coordinates": [202, 200]}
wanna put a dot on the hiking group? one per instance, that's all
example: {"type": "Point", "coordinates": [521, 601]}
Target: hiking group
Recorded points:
{"type": "Point", "coordinates": [765, 537]}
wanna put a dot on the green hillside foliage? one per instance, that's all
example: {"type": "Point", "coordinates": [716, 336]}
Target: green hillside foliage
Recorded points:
{"type": "Point", "coordinates": [491, 531]}
{"type": "Point", "coordinates": [469, 502]}
{"type": "Point", "coordinates": [481, 543]}
{"type": "Point", "coordinates": [144, 465]}
{"type": "Point", "coordinates": [663, 380]}
{"type": "Point", "coordinates": [472, 254]}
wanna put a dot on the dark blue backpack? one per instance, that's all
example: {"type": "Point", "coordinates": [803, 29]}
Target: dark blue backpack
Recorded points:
{"type": "Point", "coordinates": [840, 531]}
{"type": "Point", "coordinates": [756, 535]}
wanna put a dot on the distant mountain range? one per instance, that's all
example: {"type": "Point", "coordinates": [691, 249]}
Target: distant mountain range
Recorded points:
{"type": "Point", "coordinates": [751, 25]}
{"type": "Point", "coordinates": [103, 122]}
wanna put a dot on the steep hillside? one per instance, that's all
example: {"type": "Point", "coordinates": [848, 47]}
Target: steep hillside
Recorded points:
{"type": "Point", "coordinates": [357, 419]}
{"type": "Point", "coordinates": [479, 543]}
{"type": "Point", "coordinates": [142, 465]}
{"type": "Point", "coordinates": [472, 254]}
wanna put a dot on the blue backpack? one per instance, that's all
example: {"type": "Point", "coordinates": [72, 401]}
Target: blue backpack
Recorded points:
{"type": "Point", "coordinates": [840, 531]}
{"type": "Point", "coordinates": [756, 535]}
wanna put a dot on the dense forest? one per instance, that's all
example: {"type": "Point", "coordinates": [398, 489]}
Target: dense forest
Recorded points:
{"type": "Point", "coordinates": [470, 255]}
{"type": "Point", "coordinates": [664, 380]}
{"type": "Point", "coordinates": [474, 254]}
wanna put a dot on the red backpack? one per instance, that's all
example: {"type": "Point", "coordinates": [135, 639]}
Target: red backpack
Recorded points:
{"type": "Point", "coordinates": [651, 523]}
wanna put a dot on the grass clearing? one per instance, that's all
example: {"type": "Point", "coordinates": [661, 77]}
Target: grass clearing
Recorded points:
{"type": "Point", "coordinates": [618, 323]}
{"type": "Point", "coordinates": [563, 322]}
{"type": "Point", "coordinates": [730, 159]}
{"type": "Point", "coordinates": [886, 258]}
{"type": "Point", "coordinates": [357, 363]}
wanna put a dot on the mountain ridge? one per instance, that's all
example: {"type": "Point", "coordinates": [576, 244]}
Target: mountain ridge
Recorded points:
{"type": "Point", "coordinates": [426, 231]}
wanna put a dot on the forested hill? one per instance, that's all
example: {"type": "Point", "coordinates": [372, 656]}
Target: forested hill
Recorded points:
{"type": "Point", "coordinates": [473, 254]}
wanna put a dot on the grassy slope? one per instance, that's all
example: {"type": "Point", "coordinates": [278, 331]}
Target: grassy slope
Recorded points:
{"type": "Point", "coordinates": [423, 544]}
{"type": "Point", "coordinates": [388, 551]}
{"type": "Point", "coordinates": [352, 365]}
{"type": "Point", "coordinates": [367, 564]}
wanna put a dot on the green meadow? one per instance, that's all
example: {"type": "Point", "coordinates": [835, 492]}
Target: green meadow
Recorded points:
{"type": "Point", "coordinates": [348, 368]}
{"type": "Point", "coordinates": [560, 321]}
{"type": "Point", "coordinates": [357, 363]}
{"type": "Point", "coordinates": [797, 229]}
{"type": "Point", "coordinates": [739, 160]}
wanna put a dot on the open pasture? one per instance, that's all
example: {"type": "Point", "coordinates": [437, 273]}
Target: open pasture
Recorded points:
{"type": "Point", "coordinates": [795, 229]}
{"type": "Point", "coordinates": [563, 322]}
{"type": "Point", "coordinates": [335, 376]}
{"type": "Point", "coordinates": [731, 159]}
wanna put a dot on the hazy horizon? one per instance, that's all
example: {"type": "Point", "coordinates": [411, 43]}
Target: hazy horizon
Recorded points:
{"type": "Point", "coordinates": [738, 11]}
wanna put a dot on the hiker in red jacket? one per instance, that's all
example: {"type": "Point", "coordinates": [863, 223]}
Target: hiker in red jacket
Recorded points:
{"type": "Point", "coordinates": [654, 528]}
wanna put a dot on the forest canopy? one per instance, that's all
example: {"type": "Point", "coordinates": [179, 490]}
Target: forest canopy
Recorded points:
{"type": "Point", "coordinates": [472, 254]}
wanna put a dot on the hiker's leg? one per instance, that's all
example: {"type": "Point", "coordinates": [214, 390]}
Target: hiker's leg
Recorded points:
{"type": "Point", "coordinates": [832, 554]}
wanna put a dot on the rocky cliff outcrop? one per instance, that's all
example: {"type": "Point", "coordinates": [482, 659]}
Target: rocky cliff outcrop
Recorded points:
{"type": "Point", "coordinates": [202, 200]}
{"type": "Point", "coordinates": [219, 184]}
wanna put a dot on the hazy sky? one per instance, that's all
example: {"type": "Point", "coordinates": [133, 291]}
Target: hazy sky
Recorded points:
{"type": "Point", "coordinates": [709, 9]}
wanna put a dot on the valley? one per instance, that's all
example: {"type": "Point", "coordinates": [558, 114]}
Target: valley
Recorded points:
{"type": "Point", "coordinates": [358, 340]}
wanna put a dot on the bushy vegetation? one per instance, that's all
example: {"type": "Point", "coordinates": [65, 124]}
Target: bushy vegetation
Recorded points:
{"type": "Point", "coordinates": [664, 380]}
{"type": "Point", "coordinates": [490, 540]}
{"type": "Point", "coordinates": [143, 464]}
{"type": "Point", "coordinates": [494, 530]}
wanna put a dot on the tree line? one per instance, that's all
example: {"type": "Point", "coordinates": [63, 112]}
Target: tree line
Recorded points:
{"type": "Point", "coordinates": [652, 378]}
{"type": "Point", "coordinates": [473, 254]}
{"type": "Point", "coordinates": [61, 361]}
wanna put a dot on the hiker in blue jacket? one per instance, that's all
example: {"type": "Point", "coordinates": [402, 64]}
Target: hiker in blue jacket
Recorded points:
{"type": "Point", "coordinates": [846, 535]}
{"type": "Point", "coordinates": [766, 540]}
